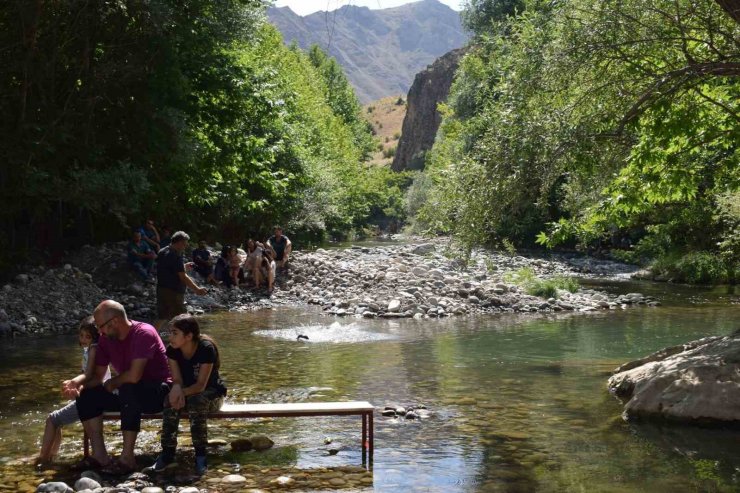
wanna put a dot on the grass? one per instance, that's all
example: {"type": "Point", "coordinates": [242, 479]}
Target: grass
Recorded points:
{"type": "Point", "coordinates": [545, 288]}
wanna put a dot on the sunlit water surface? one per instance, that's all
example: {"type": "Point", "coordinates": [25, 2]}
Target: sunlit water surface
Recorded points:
{"type": "Point", "coordinates": [518, 403]}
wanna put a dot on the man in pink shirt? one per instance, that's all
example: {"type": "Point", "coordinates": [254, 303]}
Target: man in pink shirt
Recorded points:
{"type": "Point", "coordinates": [137, 354]}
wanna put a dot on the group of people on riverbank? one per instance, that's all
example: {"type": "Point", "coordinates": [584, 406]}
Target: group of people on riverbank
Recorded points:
{"type": "Point", "coordinates": [258, 263]}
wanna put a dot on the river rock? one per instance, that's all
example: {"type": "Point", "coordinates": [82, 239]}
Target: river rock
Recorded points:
{"type": "Point", "coordinates": [261, 442]}
{"type": "Point", "coordinates": [241, 445]}
{"type": "Point", "coordinates": [54, 487]}
{"type": "Point", "coordinates": [86, 484]}
{"type": "Point", "coordinates": [424, 249]}
{"type": "Point", "coordinates": [152, 489]}
{"type": "Point", "coordinates": [394, 305]}
{"type": "Point", "coordinates": [233, 479]}
{"type": "Point", "coordinates": [284, 481]}
{"type": "Point", "coordinates": [694, 382]}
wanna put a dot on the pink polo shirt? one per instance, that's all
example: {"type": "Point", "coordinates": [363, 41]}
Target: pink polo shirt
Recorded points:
{"type": "Point", "coordinates": [142, 342]}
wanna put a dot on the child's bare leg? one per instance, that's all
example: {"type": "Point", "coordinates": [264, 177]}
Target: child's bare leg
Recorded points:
{"type": "Point", "coordinates": [49, 442]}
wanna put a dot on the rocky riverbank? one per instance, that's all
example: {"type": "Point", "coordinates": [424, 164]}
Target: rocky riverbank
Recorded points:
{"type": "Point", "coordinates": [239, 478]}
{"type": "Point", "coordinates": [398, 280]}
{"type": "Point", "coordinates": [420, 281]}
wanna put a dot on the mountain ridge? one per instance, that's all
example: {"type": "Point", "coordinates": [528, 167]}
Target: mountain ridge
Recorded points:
{"type": "Point", "coordinates": [381, 50]}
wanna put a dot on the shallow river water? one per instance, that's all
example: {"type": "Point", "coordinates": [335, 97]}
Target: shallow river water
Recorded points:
{"type": "Point", "coordinates": [517, 403]}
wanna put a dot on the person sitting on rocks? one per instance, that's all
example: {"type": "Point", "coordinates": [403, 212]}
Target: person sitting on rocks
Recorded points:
{"type": "Point", "coordinates": [281, 245]}
{"type": "Point", "coordinates": [165, 238]}
{"type": "Point", "coordinates": [137, 354]}
{"type": "Point", "coordinates": [150, 234]}
{"type": "Point", "coordinates": [268, 267]}
{"type": "Point", "coordinates": [221, 271]}
{"type": "Point", "coordinates": [197, 388]}
{"type": "Point", "coordinates": [88, 336]}
{"type": "Point", "coordinates": [235, 266]}
{"type": "Point", "coordinates": [202, 263]}
{"type": "Point", "coordinates": [140, 256]}
{"type": "Point", "coordinates": [253, 263]}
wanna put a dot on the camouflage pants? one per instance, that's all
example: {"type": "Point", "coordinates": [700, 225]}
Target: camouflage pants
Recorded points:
{"type": "Point", "coordinates": [198, 406]}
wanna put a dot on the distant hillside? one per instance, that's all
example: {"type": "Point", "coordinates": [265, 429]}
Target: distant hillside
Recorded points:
{"type": "Point", "coordinates": [380, 50]}
{"type": "Point", "coordinates": [386, 116]}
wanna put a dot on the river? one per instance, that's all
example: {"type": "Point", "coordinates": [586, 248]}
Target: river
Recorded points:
{"type": "Point", "coordinates": [516, 402]}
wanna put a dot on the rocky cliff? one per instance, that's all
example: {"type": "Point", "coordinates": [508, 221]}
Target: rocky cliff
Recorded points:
{"type": "Point", "coordinates": [380, 50]}
{"type": "Point", "coordinates": [431, 86]}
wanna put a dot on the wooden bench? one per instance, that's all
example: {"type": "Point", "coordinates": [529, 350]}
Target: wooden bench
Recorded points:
{"type": "Point", "coordinates": [292, 410]}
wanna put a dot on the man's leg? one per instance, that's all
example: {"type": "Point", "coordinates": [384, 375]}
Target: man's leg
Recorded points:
{"type": "Point", "coordinates": [286, 253]}
{"type": "Point", "coordinates": [137, 266]}
{"type": "Point", "coordinates": [90, 406]}
{"type": "Point", "coordinates": [135, 399]}
{"type": "Point", "coordinates": [130, 422]}
{"type": "Point", "coordinates": [94, 429]}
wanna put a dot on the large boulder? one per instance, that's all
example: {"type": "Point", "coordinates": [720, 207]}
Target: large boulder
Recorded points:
{"type": "Point", "coordinates": [694, 382]}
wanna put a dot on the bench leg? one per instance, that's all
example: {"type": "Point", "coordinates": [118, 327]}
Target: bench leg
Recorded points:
{"type": "Point", "coordinates": [370, 436]}
{"type": "Point", "coordinates": [364, 432]}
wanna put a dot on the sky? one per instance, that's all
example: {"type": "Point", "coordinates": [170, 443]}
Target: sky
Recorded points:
{"type": "Point", "coordinates": [305, 7]}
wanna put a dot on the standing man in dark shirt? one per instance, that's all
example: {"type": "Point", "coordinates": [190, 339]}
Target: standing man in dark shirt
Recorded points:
{"type": "Point", "coordinates": [172, 279]}
{"type": "Point", "coordinates": [282, 246]}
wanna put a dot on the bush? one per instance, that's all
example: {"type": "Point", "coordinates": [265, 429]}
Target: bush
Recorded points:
{"type": "Point", "coordinates": [545, 288]}
{"type": "Point", "coordinates": [696, 268]}
{"type": "Point", "coordinates": [400, 101]}
{"type": "Point", "coordinates": [389, 153]}
{"type": "Point", "coordinates": [396, 135]}
{"type": "Point", "coordinates": [370, 109]}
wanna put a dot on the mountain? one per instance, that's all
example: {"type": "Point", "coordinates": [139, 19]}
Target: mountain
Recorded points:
{"type": "Point", "coordinates": [380, 50]}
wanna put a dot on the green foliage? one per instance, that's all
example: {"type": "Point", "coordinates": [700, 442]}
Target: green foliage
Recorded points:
{"type": "Point", "coordinates": [400, 101]}
{"type": "Point", "coordinates": [592, 123]}
{"type": "Point", "coordinates": [197, 116]}
{"type": "Point", "coordinates": [389, 152]}
{"type": "Point", "coordinates": [520, 277]}
{"type": "Point", "coordinates": [696, 268]}
{"type": "Point", "coordinates": [341, 97]}
{"type": "Point", "coordinates": [508, 246]}
{"type": "Point", "coordinates": [545, 288]}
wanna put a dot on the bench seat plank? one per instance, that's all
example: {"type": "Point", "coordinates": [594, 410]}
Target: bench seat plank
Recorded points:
{"type": "Point", "coordinates": [276, 410]}
{"type": "Point", "coordinates": [289, 409]}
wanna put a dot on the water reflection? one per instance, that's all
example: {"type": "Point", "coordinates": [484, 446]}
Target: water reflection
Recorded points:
{"type": "Point", "coordinates": [517, 403]}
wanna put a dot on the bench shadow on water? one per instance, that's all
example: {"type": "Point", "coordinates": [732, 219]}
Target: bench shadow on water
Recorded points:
{"type": "Point", "coordinates": [517, 403]}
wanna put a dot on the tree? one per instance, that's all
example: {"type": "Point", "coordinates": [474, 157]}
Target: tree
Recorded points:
{"type": "Point", "coordinates": [604, 118]}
